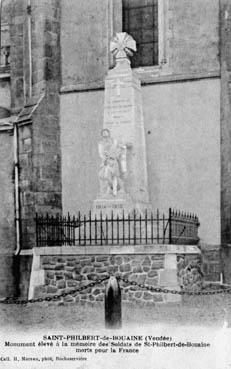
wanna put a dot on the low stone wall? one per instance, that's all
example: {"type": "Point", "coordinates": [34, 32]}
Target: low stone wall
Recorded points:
{"type": "Point", "coordinates": [65, 273]}
{"type": "Point", "coordinates": [226, 263]}
{"type": "Point", "coordinates": [212, 265]}
{"type": "Point", "coordinates": [189, 272]}
{"type": "Point", "coordinates": [58, 270]}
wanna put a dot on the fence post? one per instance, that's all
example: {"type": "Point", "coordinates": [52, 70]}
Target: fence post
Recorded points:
{"type": "Point", "coordinates": [113, 311]}
{"type": "Point", "coordinates": [170, 225]}
{"type": "Point", "coordinates": [36, 228]}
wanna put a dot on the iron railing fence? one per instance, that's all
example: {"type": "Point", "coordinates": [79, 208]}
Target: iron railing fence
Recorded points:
{"type": "Point", "coordinates": [132, 229]}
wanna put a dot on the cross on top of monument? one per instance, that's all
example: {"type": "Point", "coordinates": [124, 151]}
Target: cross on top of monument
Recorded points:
{"type": "Point", "coordinates": [122, 46]}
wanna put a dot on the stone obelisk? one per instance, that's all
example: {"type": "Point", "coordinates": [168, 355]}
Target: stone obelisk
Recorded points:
{"type": "Point", "coordinates": [122, 149]}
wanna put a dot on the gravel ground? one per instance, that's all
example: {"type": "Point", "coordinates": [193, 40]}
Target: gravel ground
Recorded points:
{"type": "Point", "coordinates": [195, 319]}
{"type": "Point", "coordinates": [196, 310]}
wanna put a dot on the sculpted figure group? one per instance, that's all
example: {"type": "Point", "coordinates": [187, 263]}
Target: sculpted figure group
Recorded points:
{"type": "Point", "coordinates": [113, 166]}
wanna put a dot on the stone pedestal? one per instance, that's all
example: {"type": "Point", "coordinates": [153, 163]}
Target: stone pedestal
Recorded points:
{"type": "Point", "coordinates": [148, 265]}
{"type": "Point", "coordinates": [119, 206]}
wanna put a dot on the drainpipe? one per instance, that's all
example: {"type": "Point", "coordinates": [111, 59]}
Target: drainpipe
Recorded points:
{"type": "Point", "coordinates": [29, 48]}
{"type": "Point", "coordinates": [1, 1]}
{"type": "Point", "coordinates": [16, 190]}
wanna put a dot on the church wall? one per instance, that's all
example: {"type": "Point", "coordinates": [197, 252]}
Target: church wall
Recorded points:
{"type": "Point", "coordinates": [85, 41]}
{"type": "Point", "coordinates": [7, 229]}
{"type": "Point", "coordinates": [182, 123]}
{"type": "Point", "coordinates": [6, 192]}
{"type": "Point", "coordinates": [225, 21]}
{"type": "Point", "coordinates": [193, 35]}
{"type": "Point", "coordinates": [39, 145]}
{"type": "Point", "coordinates": [17, 54]}
{"type": "Point", "coordinates": [225, 122]}
{"type": "Point", "coordinates": [81, 119]}
{"type": "Point", "coordinates": [191, 44]}
{"type": "Point", "coordinates": [183, 149]}
{"type": "Point", "coordinates": [190, 38]}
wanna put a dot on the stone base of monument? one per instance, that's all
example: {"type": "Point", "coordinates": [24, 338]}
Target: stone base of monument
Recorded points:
{"type": "Point", "coordinates": [168, 277]}
{"type": "Point", "coordinates": [145, 265]}
{"type": "Point", "coordinates": [120, 221]}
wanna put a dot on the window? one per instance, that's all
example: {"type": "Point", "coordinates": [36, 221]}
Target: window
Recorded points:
{"type": "Point", "coordinates": [140, 20]}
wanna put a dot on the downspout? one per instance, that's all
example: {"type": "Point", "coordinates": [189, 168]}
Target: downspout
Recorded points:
{"type": "Point", "coordinates": [1, 1]}
{"type": "Point", "coordinates": [29, 48]}
{"type": "Point", "coordinates": [16, 190]}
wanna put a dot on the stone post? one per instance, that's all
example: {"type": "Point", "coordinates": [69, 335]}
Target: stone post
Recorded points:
{"type": "Point", "coordinates": [113, 311]}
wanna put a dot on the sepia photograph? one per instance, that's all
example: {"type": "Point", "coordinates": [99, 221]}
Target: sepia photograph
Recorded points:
{"type": "Point", "coordinates": [115, 184]}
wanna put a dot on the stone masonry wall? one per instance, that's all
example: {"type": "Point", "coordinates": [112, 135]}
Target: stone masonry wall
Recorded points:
{"type": "Point", "coordinates": [65, 273]}
{"type": "Point", "coordinates": [25, 181]}
{"type": "Point", "coordinates": [212, 266]}
{"type": "Point", "coordinates": [40, 167]}
{"type": "Point", "coordinates": [190, 275]}
{"type": "Point", "coordinates": [7, 216]}
{"type": "Point", "coordinates": [225, 57]}
{"type": "Point", "coordinates": [192, 38]}
{"type": "Point", "coordinates": [17, 54]}
{"type": "Point", "coordinates": [225, 24]}
{"type": "Point", "coordinates": [85, 40]}
{"type": "Point", "coordinates": [193, 270]}
{"type": "Point", "coordinates": [7, 229]}
{"type": "Point", "coordinates": [226, 261]}
{"type": "Point", "coordinates": [39, 141]}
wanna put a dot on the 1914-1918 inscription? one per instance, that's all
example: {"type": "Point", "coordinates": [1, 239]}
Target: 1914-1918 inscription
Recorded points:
{"type": "Point", "coordinates": [109, 206]}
